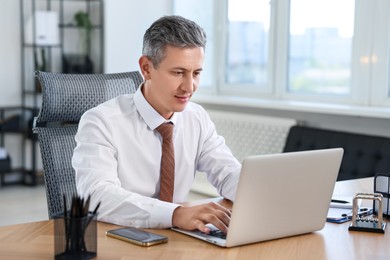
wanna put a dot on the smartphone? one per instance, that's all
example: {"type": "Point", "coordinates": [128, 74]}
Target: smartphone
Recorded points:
{"type": "Point", "coordinates": [137, 236]}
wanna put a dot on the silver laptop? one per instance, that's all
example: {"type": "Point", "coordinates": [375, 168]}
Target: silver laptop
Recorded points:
{"type": "Point", "coordinates": [280, 195]}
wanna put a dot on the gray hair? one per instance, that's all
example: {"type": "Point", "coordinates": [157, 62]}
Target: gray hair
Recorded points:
{"type": "Point", "coordinates": [174, 31]}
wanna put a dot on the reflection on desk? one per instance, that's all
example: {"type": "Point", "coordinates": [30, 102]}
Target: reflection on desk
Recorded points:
{"type": "Point", "coordinates": [36, 241]}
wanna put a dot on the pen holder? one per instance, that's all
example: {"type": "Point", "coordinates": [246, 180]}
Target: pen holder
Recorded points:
{"type": "Point", "coordinates": [75, 238]}
{"type": "Point", "coordinates": [382, 186]}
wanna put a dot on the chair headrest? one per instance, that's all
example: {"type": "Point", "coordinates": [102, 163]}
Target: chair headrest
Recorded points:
{"type": "Point", "coordinates": [65, 97]}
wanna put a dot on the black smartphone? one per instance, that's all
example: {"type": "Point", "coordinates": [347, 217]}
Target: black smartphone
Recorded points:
{"type": "Point", "coordinates": [137, 236]}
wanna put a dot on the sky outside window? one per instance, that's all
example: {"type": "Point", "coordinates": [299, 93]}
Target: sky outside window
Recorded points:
{"type": "Point", "coordinates": [320, 46]}
{"type": "Point", "coordinates": [247, 42]}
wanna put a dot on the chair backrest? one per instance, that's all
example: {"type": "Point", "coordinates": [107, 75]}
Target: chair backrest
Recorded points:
{"type": "Point", "coordinates": [65, 97]}
{"type": "Point", "coordinates": [364, 155]}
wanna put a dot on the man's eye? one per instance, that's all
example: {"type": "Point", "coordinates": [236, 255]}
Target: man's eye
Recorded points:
{"type": "Point", "coordinates": [178, 72]}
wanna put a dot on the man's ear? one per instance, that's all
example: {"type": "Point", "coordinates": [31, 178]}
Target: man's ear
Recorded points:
{"type": "Point", "coordinates": [145, 65]}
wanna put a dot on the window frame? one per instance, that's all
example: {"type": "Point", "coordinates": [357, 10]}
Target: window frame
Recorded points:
{"type": "Point", "coordinates": [243, 90]}
{"type": "Point", "coordinates": [380, 78]}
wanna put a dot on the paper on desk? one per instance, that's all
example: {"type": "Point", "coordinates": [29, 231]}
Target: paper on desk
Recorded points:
{"type": "Point", "coordinates": [340, 212]}
{"type": "Point", "coordinates": [346, 198]}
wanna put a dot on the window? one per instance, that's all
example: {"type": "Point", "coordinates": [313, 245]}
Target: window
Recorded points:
{"type": "Point", "coordinates": [320, 46]}
{"type": "Point", "coordinates": [247, 42]}
{"type": "Point", "coordinates": [326, 51]}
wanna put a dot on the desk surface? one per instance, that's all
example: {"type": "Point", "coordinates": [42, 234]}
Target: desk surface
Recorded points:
{"type": "Point", "coordinates": [36, 241]}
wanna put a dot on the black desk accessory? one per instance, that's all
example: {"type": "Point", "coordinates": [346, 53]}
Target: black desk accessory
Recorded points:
{"type": "Point", "coordinates": [365, 223]}
{"type": "Point", "coordinates": [382, 186]}
{"type": "Point", "coordinates": [75, 231]}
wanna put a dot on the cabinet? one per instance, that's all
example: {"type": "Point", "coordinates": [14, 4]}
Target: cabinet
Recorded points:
{"type": "Point", "coordinates": [58, 36]}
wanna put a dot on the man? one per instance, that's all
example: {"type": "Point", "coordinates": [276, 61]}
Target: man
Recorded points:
{"type": "Point", "coordinates": [119, 149]}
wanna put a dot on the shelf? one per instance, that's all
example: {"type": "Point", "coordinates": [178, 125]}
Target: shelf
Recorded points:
{"type": "Point", "coordinates": [5, 165]}
{"type": "Point", "coordinates": [32, 92]}
{"type": "Point", "coordinates": [15, 120]}
{"type": "Point", "coordinates": [32, 45]}
{"type": "Point", "coordinates": [53, 58]}
{"type": "Point", "coordinates": [27, 177]}
{"type": "Point", "coordinates": [10, 123]}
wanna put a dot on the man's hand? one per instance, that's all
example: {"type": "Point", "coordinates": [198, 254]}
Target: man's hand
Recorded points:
{"type": "Point", "coordinates": [196, 217]}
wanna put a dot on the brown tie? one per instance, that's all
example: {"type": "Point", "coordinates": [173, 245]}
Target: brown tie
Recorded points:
{"type": "Point", "coordinates": [167, 174]}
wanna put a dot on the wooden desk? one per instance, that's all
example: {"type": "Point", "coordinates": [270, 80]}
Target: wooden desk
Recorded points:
{"type": "Point", "coordinates": [36, 241]}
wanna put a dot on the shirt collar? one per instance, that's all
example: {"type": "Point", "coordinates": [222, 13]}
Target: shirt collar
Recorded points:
{"type": "Point", "coordinates": [151, 117]}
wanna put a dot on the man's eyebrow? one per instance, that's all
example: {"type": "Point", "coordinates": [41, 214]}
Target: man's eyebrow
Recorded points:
{"type": "Point", "coordinates": [182, 68]}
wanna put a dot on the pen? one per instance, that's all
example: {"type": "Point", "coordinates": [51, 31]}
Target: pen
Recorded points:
{"type": "Point", "coordinates": [340, 201]}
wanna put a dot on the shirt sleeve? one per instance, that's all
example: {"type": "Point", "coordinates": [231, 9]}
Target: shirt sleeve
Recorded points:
{"type": "Point", "coordinates": [95, 163]}
{"type": "Point", "coordinates": [217, 161]}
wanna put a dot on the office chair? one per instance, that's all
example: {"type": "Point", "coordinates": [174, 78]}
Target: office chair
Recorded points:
{"type": "Point", "coordinates": [364, 155]}
{"type": "Point", "coordinates": [65, 97]}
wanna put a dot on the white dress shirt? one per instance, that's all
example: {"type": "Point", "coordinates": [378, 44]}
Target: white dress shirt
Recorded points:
{"type": "Point", "coordinates": [118, 154]}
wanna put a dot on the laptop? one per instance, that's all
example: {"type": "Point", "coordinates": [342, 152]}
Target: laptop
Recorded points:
{"type": "Point", "coordinates": [279, 195]}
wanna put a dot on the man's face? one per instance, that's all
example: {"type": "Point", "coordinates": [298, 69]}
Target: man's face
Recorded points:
{"type": "Point", "coordinates": [169, 87]}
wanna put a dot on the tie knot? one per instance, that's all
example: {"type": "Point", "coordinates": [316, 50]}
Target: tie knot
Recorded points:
{"type": "Point", "coordinates": [165, 130]}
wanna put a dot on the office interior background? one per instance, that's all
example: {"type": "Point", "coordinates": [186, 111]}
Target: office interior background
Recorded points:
{"type": "Point", "coordinates": [319, 63]}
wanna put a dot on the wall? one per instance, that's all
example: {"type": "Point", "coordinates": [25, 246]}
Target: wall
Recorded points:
{"type": "Point", "coordinates": [125, 24]}
{"type": "Point", "coordinates": [9, 53]}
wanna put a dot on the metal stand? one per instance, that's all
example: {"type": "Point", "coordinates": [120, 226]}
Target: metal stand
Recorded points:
{"type": "Point", "coordinates": [364, 223]}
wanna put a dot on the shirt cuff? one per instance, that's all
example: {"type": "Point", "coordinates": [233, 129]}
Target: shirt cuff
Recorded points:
{"type": "Point", "coordinates": [161, 216]}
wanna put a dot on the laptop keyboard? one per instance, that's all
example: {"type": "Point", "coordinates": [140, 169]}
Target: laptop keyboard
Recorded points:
{"type": "Point", "coordinates": [217, 233]}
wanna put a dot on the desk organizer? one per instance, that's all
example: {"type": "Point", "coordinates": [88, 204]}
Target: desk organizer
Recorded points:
{"type": "Point", "coordinates": [382, 186]}
{"type": "Point", "coordinates": [362, 223]}
{"type": "Point", "coordinates": [75, 238]}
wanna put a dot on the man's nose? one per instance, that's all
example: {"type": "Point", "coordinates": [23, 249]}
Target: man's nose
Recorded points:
{"type": "Point", "coordinates": [188, 84]}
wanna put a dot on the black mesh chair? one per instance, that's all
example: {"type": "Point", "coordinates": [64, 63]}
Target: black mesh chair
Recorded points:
{"type": "Point", "coordinates": [364, 155]}
{"type": "Point", "coordinates": [65, 97]}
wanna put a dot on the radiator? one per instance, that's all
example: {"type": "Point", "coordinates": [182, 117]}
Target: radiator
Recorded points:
{"type": "Point", "coordinates": [245, 135]}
